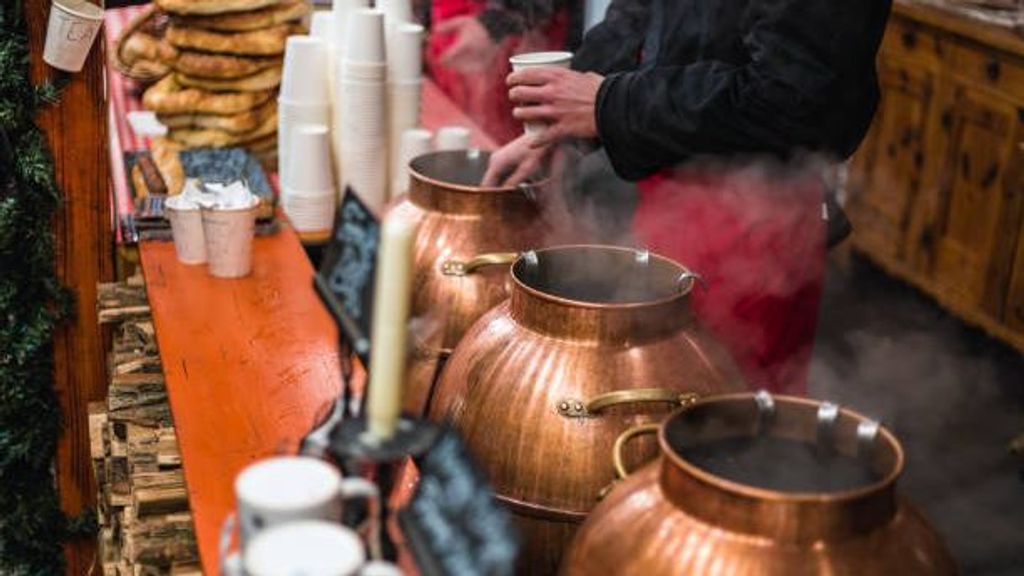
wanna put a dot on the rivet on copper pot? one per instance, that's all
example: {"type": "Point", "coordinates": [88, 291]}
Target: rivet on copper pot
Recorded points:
{"type": "Point", "coordinates": [867, 432]}
{"type": "Point", "coordinates": [643, 256]}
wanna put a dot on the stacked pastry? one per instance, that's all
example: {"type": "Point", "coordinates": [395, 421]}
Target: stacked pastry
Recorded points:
{"type": "Point", "coordinates": [225, 61]}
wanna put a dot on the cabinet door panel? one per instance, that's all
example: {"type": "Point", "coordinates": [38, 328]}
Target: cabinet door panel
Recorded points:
{"type": "Point", "coordinates": [973, 252]}
{"type": "Point", "coordinates": [886, 173]}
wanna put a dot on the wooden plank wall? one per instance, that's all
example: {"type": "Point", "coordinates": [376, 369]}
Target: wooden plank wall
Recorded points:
{"type": "Point", "coordinates": [77, 132]}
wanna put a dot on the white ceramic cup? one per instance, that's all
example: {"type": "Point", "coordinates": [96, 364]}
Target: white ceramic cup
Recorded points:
{"type": "Point", "coordinates": [364, 36]}
{"type": "Point", "coordinates": [309, 548]}
{"type": "Point", "coordinates": [452, 138]}
{"type": "Point", "coordinates": [71, 30]}
{"type": "Point", "coordinates": [304, 80]}
{"type": "Point", "coordinates": [415, 142]}
{"type": "Point", "coordinates": [229, 234]}
{"type": "Point", "coordinates": [309, 165]}
{"type": "Point", "coordinates": [405, 52]}
{"type": "Point", "coordinates": [285, 489]}
{"type": "Point", "coordinates": [539, 60]}
{"type": "Point", "coordinates": [187, 230]}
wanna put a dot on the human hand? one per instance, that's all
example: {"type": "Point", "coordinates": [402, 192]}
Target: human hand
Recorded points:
{"type": "Point", "coordinates": [514, 162]}
{"type": "Point", "coordinates": [473, 49]}
{"type": "Point", "coordinates": [563, 99]}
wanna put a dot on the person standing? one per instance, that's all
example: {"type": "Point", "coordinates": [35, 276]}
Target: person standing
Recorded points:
{"type": "Point", "coordinates": [726, 112]}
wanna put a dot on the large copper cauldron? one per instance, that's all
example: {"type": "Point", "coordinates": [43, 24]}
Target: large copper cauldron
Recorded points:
{"type": "Point", "coordinates": [459, 220]}
{"type": "Point", "coordinates": [751, 484]}
{"type": "Point", "coordinates": [592, 341]}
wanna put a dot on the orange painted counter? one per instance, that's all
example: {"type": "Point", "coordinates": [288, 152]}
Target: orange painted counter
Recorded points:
{"type": "Point", "coordinates": [249, 363]}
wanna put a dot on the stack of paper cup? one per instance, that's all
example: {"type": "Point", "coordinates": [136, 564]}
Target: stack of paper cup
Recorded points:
{"type": "Point", "coordinates": [342, 10]}
{"type": "Point", "coordinates": [309, 198]}
{"type": "Point", "coordinates": [361, 125]}
{"type": "Point", "coordinates": [305, 97]}
{"type": "Point", "coordinates": [452, 138]}
{"type": "Point", "coordinates": [539, 60]}
{"type": "Point", "coordinates": [414, 143]}
{"type": "Point", "coordinates": [405, 87]}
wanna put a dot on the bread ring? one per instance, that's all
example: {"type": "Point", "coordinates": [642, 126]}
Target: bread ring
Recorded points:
{"type": "Point", "coordinates": [169, 97]}
{"type": "Point", "coordinates": [212, 6]}
{"type": "Point", "coordinates": [286, 11]}
{"type": "Point", "coordinates": [265, 42]}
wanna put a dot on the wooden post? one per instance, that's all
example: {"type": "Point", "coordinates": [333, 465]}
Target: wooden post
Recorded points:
{"type": "Point", "coordinates": [76, 129]}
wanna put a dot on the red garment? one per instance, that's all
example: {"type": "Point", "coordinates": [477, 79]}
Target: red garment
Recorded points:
{"type": "Point", "coordinates": [483, 96]}
{"type": "Point", "coordinates": [759, 243]}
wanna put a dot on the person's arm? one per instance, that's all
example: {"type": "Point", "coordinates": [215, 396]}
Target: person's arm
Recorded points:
{"type": "Point", "coordinates": [613, 45]}
{"type": "Point", "coordinates": [809, 84]}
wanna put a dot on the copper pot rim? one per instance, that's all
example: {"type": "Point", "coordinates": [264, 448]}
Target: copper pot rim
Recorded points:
{"type": "Point", "coordinates": [466, 189]}
{"type": "Point", "coordinates": [683, 294]}
{"type": "Point", "coordinates": [763, 494]}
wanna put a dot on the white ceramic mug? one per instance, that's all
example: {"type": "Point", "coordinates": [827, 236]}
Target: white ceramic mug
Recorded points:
{"type": "Point", "coordinates": [310, 548]}
{"type": "Point", "coordinates": [285, 489]}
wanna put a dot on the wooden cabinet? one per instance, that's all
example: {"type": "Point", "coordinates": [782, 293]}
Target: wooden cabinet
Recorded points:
{"type": "Point", "coordinates": [936, 189]}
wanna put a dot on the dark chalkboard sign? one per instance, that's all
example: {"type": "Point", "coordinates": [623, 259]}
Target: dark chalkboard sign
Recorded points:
{"type": "Point", "coordinates": [348, 270]}
{"type": "Point", "coordinates": [453, 524]}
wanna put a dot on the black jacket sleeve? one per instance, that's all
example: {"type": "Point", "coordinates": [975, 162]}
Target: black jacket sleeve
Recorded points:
{"type": "Point", "coordinates": [809, 83]}
{"type": "Point", "coordinates": [613, 45]}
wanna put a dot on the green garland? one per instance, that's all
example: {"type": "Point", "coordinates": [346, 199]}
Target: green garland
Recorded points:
{"type": "Point", "coordinates": [32, 303]}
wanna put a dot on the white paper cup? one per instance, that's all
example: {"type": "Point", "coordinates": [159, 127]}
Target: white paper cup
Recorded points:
{"type": "Point", "coordinates": [322, 26]}
{"type": "Point", "coordinates": [405, 52]}
{"type": "Point", "coordinates": [342, 10]}
{"type": "Point", "coordinates": [229, 234]}
{"type": "Point", "coordinates": [187, 230]}
{"type": "Point", "coordinates": [413, 143]}
{"type": "Point", "coordinates": [310, 548]}
{"type": "Point", "coordinates": [539, 60]}
{"type": "Point", "coordinates": [304, 79]}
{"type": "Point", "coordinates": [364, 36]}
{"type": "Point", "coordinates": [71, 30]}
{"type": "Point", "coordinates": [363, 71]}
{"type": "Point", "coordinates": [290, 117]}
{"type": "Point", "coordinates": [309, 165]}
{"type": "Point", "coordinates": [452, 138]}
{"type": "Point", "coordinates": [309, 212]}
{"type": "Point", "coordinates": [396, 12]}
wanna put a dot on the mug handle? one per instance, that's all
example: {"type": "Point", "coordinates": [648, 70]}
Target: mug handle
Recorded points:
{"type": "Point", "coordinates": [353, 488]}
{"type": "Point", "coordinates": [230, 561]}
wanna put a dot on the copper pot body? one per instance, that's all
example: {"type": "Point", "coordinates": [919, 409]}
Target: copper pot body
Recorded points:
{"type": "Point", "coordinates": [458, 220]}
{"type": "Point", "coordinates": [674, 518]}
{"type": "Point", "coordinates": [581, 322]}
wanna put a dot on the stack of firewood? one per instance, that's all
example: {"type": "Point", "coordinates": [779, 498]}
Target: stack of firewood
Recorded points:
{"type": "Point", "coordinates": [145, 525]}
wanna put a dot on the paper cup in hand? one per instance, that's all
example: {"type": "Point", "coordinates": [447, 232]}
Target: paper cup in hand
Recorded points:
{"type": "Point", "coordinates": [285, 489]}
{"type": "Point", "coordinates": [364, 37]}
{"type": "Point", "coordinates": [312, 548]}
{"type": "Point", "coordinates": [539, 60]}
{"type": "Point", "coordinates": [187, 229]}
{"type": "Point", "coordinates": [452, 138]}
{"type": "Point", "coordinates": [70, 33]}
{"type": "Point", "coordinates": [229, 233]}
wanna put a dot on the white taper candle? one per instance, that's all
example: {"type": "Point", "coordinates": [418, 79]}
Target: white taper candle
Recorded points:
{"type": "Point", "coordinates": [389, 334]}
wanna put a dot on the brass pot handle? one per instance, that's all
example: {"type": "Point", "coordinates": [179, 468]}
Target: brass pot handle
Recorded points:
{"type": "Point", "coordinates": [572, 408]}
{"type": "Point", "coordinates": [465, 268]}
{"type": "Point", "coordinates": [620, 443]}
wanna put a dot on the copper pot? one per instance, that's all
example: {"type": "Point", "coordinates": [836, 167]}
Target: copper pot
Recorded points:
{"type": "Point", "coordinates": [460, 220]}
{"type": "Point", "coordinates": [593, 340]}
{"type": "Point", "coordinates": [755, 484]}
